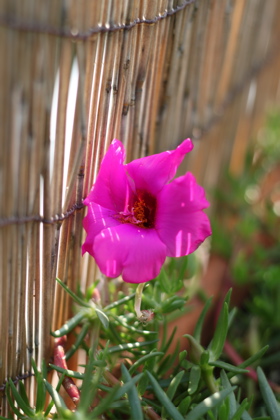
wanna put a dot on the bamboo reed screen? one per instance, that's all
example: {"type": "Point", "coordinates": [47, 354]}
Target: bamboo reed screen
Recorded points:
{"type": "Point", "coordinates": [75, 75]}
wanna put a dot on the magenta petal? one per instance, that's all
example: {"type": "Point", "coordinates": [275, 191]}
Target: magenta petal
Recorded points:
{"type": "Point", "coordinates": [151, 173]}
{"type": "Point", "coordinates": [181, 223]}
{"type": "Point", "coordinates": [111, 189]}
{"type": "Point", "coordinates": [136, 253]}
{"type": "Point", "coordinates": [97, 219]}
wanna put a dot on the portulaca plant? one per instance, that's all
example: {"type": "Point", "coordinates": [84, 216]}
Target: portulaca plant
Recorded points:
{"type": "Point", "coordinates": [138, 214]}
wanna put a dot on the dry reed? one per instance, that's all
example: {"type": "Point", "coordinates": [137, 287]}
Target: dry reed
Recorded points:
{"type": "Point", "coordinates": [148, 73]}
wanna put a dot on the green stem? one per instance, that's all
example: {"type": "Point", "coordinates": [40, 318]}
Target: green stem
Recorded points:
{"type": "Point", "coordinates": [209, 379]}
{"type": "Point", "coordinates": [94, 335]}
{"type": "Point", "coordinates": [138, 299]}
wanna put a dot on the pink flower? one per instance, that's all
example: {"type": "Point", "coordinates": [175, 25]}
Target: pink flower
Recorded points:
{"type": "Point", "coordinates": [137, 217]}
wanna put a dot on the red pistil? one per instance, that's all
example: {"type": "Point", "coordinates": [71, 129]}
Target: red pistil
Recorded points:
{"type": "Point", "coordinates": [142, 212]}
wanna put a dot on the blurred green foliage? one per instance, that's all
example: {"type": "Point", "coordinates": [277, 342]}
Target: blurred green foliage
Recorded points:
{"type": "Point", "coordinates": [246, 232]}
{"type": "Point", "coordinates": [153, 382]}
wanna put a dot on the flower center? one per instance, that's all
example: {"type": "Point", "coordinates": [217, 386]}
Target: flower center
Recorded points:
{"type": "Point", "coordinates": [142, 212]}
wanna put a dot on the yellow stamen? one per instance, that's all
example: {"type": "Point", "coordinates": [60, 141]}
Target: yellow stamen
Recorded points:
{"type": "Point", "coordinates": [139, 212]}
